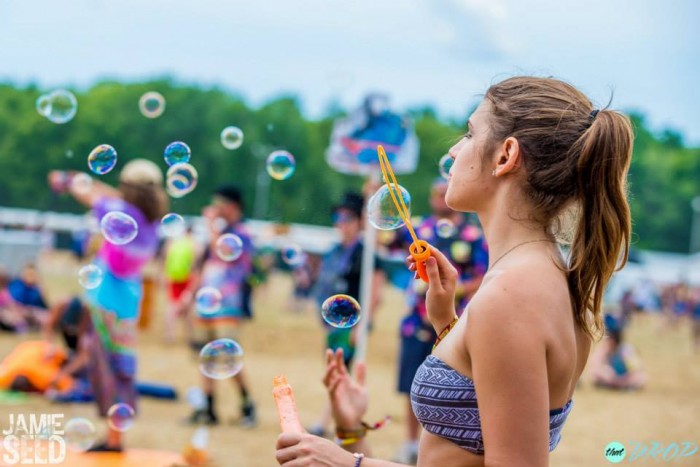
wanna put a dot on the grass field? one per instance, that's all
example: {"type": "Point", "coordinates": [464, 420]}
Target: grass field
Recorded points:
{"type": "Point", "coordinates": [281, 341]}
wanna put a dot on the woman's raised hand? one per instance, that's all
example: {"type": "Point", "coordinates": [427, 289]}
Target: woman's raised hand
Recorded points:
{"type": "Point", "coordinates": [349, 397]}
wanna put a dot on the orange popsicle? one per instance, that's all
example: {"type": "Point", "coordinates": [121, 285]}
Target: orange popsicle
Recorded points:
{"type": "Point", "coordinates": [286, 407]}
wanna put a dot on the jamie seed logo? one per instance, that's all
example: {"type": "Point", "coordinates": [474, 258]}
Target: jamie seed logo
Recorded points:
{"type": "Point", "coordinates": [34, 439]}
{"type": "Point", "coordinates": [617, 452]}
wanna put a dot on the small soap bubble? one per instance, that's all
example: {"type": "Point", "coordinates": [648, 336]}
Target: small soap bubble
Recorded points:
{"type": "Point", "coordinates": [81, 183]}
{"type": "Point", "coordinates": [172, 225]}
{"type": "Point", "coordinates": [61, 108]}
{"type": "Point", "coordinates": [445, 228]}
{"type": "Point", "coordinates": [341, 311]}
{"type": "Point", "coordinates": [229, 247]}
{"type": "Point", "coordinates": [90, 276]}
{"type": "Point", "coordinates": [152, 104]}
{"type": "Point", "coordinates": [232, 137]}
{"type": "Point", "coordinates": [208, 300]}
{"type": "Point", "coordinates": [221, 359]}
{"type": "Point", "coordinates": [177, 152]}
{"type": "Point", "coordinates": [69, 154]}
{"type": "Point", "coordinates": [43, 105]}
{"type": "Point", "coordinates": [381, 210]}
{"type": "Point", "coordinates": [79, 434]}
{"type": "Point", "coordinates": [118, 228]}
{"type": "Point", "coordinates": [445, 165]}
{"type": "Point", "coordinates": [181, 179]}
{"type": "Point", "coordinates": [102, 159]}
{"type": "Point", "coordinates": [292, 255]}
{"type": "Point", "coordinates": [280, 165]}
{"type": "Point", "coordinates": [120, 417]}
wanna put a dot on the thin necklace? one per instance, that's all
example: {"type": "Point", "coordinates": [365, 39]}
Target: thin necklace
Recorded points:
{"type": "Point", "coordinates": [516, 246]}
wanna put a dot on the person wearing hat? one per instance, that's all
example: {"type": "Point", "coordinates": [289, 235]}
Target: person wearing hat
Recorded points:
{"type": "Point", "coordinates": [111, 323]}
{"type": "Point", "coordinates": [340, 273]}
{"type": "Point", "coordinates": [231, 278]}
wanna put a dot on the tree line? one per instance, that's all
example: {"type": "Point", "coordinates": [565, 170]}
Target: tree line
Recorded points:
{"type": "Point", "coordinates": [664, 177]}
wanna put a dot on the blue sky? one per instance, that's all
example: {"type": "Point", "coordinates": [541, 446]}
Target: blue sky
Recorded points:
{"type": "Point", "coordinates": [438, 52]}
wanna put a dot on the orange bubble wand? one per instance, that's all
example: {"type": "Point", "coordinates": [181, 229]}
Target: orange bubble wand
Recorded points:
{"type": "Point", "coordinates": [419, 249]}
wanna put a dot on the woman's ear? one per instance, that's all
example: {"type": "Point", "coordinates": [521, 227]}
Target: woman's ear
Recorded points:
{"type": "Point", "coordinates": [508, 157]}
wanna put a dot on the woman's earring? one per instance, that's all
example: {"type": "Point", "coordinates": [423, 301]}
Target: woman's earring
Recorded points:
{"type": "Point", "coordinates": [493, 172]}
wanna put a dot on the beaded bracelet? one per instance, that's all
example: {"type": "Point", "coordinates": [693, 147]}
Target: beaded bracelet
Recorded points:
{"type": "Point", "coordinates": [446, 331]}
{"type": "Point", "coordinates": [358, 458]}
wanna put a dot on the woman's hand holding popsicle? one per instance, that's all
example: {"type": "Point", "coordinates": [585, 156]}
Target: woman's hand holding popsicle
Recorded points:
{"type": "Point", "coordinates": [440, 297]}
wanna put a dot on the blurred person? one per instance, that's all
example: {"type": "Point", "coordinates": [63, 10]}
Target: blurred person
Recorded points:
{"type": "Point", "coordinates": [224, 216]}
{"type": "Point", "coordinates": [537, 153]}
{"type": "Point", "coordinates": [341, 273]}
{"type": "Point", "coordinates": [11, 318]}
{"type": "Point", "coordinates": [178, 269]}
{"type": "Point", "coordinates": [29, 304]}
{"type": "Point", "coordinates": [695, 320]}
{"type": "Point", "coordinates": [463, 245]}
{"type": "Point", "coordinates": [615, 363]}
{"type": "Point", "coordinates": [111, 333]}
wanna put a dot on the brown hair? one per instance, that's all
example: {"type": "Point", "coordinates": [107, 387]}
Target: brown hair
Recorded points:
{"type": "Point", "coordinates": [149, 198]}
{"type": "Point", "coordinates": [575, 158]}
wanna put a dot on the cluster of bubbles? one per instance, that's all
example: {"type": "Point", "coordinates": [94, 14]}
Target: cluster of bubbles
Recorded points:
{"type": "Point", "coordinates": [221, 359]}
{"type": "Point", "coordinates": [120, 417]}
{"type": "Point", "coordinates": [231, 137]}
{"type": "Point", "coordinates": [90, 276]}
{"type": "Point", "coordinates": [79, 434]}
{"type": "Point", "coordinates": [152, 104]}
{"type": "Point", "coordinates": [177, 153]}
{"type": "Point", "coordinates": [445, 165]}
{"type": "Point", "coordinates": [229, 247]}
{"type": "Point", "coordinates": [102, 159]}
{"type": "Point", "coordinates": [181, 179]}
{"type": "Point", "coordinates": [341, 311]}
{"type": "Point", "coordinates": [118, 227]}
{"type": "Point", "coordinates": [58, 106]}
{"type": "Point", "coordinates": [280, 165]}
{"type": "Point", "coordinates": [381, 210]}
{"type": "Point", "coordinates": [172, 225]}
{"type": "Point", "coordinates": [207, 300]}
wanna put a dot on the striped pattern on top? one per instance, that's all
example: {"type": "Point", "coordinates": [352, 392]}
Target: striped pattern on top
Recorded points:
{"type": "Point", "coordinates": [444, 402]}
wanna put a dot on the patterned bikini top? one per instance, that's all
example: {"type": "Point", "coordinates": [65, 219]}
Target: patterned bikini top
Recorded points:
{"type": "Point", "coordinates": [444, 401]}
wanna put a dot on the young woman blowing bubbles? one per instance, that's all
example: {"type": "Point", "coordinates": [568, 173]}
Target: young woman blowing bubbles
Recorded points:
{"type": "Point", "coordinates": [535, 151]}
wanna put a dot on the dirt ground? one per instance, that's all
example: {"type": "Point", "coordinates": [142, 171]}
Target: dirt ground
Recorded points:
{"type": "Point", "coordinates": [280, 340]}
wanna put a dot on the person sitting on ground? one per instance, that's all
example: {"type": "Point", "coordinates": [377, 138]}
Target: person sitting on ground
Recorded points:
{"type": "Point", "coordinates": [615, 363]}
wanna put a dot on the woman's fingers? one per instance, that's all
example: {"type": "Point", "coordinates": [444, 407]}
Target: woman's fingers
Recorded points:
{"type": "Point", "coordinates": [285, 455]}
{"type": "Point", "coordinates": [286, 440]}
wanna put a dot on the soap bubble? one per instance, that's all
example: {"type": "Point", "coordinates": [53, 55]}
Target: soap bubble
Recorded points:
{"type": "Point", "coordinates": [177, 153]}
{"type": "Point", "coordinates": [102, 159]}
{"type": "Point", "coordinates": [280, 165]}
{"type": "Point", "coordinates": [120, 417]}
{"type": "Point", "coordinates": [79, 434]}
{"type": "Point", "coordinates": [43, 105]}
{"type": "Point", "coordinates": [293, 255]}
{"type": "Point", "coordinates": [445, 165]}
{"type": "Point", "coordinates": [207, 300]}
{"type": "Point", "coordinates": [232, 137]}
{"type": "Point", "coordinates": [81, 183]}
{"type": "Point", "coordinates": [180, 179]}
{"type": "Point", "coordinates": [341, 311]}
{"type": "Point", "coordinates": [152, 104]}
{"type": "Point", "coordinates": [118, 228]}
{"type": "Point", "coordinates": [62, 106]}
{"type": "Point", "coordinates": [229, 247]}
{"type": "Point", "coordinates": [221, 359]}
{"type": "Point", "coordinates": [445, 228]}
{"type": "Point", "coordinates": [90, 276]}
{"type": "Point", "coordinates": [172, 225]}
{"type": "Point", "coordinates": [381, 211]}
